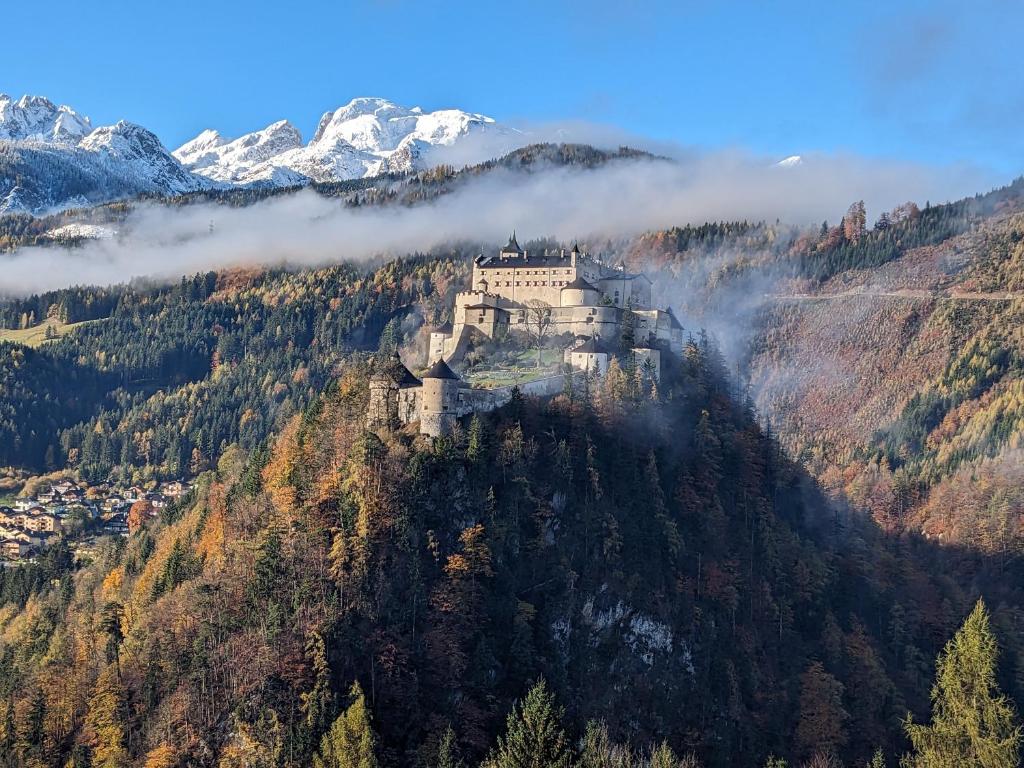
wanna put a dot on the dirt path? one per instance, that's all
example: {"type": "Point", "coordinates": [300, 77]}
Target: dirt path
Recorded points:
{"type": "Point", "coordinates": [954, 294]}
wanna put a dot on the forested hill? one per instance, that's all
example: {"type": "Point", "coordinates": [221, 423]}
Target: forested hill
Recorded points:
{"type": "Point", "coordinates": [650, 554]}
{"type": "Point", "coordinates": [164, 377]}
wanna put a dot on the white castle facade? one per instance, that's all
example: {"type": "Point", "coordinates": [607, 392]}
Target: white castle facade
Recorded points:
{"type": "Point", "coordinates": [577, 295]}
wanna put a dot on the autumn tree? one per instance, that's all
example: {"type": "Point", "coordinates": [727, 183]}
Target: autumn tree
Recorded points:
{"type": "Point", "coordinates": [822, 724]}
{"type": "Point", "coordinates": [457, 604]}
{"type": "Point", "coordinates": [973, 723]}
{"type": "Point", "coordinates": [105, 721]}
{"type": "Point", "coordinates": [140, 513]}
{"type": "Point", "coordinates": [855, 222]}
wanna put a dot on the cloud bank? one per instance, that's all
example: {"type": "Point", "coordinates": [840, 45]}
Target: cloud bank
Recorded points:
{"type": "Point", "coordinates": [619, 199]}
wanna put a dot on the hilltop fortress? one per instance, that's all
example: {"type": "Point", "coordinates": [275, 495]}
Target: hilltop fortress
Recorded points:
{"type": "Point", "coordinates": [586, 298]}
{"type": "Point", "coordinates": [567, 295]}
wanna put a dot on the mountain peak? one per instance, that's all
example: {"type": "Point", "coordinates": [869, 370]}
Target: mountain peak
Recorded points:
{"type": "Point", "coordinates": [37, 119]}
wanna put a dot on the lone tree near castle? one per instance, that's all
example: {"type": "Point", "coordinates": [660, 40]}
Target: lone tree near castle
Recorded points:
{"type": "Point", "coordinates": [538, 324]}
{"type": "Point", "coordinates": [972, 722]}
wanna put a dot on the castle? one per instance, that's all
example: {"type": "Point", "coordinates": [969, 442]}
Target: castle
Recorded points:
{"type": "Point", "coordinates": [584, 297]}
{"type": "Point", "coordinates": [569, 293]}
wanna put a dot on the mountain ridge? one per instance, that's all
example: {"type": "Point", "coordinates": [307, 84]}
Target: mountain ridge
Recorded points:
{"type": "Point", "coordinates": [42, 143]}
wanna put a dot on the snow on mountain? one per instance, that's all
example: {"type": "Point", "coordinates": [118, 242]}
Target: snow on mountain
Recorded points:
{"type": "Point", "coordinates": [35, 118]}
{"type": "Point", "coordinates": [790, 162]}
{"type": "Point", "coordinates": [365, 137]}
{"type": "Point", "coordinates": [139, 156]}
{"type": "Point", "coordinates": [243, 160]}
{"type": "Point", "coordinates": [52, 158]}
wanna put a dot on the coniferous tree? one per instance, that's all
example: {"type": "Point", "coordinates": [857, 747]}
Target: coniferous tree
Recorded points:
{"type": "Point", "coordinates": [350, 741]}
{"type": "Point", "coordinates": [973, 724]}
{"type": "Point", "coordinates": [448, 751]}
{"type": "Point", "coordinates": [534, 737]}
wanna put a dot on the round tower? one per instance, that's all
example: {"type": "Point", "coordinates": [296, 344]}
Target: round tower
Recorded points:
{"type": "Point", "coordinates": [439, 400]}
{"type": "Point", "coordinates": [580, 293]}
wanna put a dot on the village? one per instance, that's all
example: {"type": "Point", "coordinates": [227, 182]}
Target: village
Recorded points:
{"type": "Point", "coordinates": [65, 508]}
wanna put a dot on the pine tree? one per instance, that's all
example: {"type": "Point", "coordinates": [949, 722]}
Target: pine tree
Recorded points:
{"type": "Point", "coordinates": [972, 722]}
{"type": "Point", "coordinates": [663, 757]}
{"type": "Point", "coordinates": [350, 741]}
{"type": "Point", "coordinates": [534, 737]}
{"type": "Point", "coordinates": [597, 750]}
{"type": "Point", "coordinates": [448, 751]}
{"type": "Point", "coordinates": [475, 442]}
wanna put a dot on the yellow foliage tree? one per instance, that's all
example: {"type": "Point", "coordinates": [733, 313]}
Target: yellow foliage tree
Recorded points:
{"type": "Point", "coordinates": [104, 721]}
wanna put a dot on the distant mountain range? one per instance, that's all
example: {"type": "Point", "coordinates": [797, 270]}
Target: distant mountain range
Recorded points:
{"type": "Point", "coordinates": [51, 157]}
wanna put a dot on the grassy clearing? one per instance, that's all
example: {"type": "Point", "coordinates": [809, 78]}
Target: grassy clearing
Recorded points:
{"type": "Point", "coordinates": [523, 368]}
{"type": "Point", "coordinates": [37, 335]}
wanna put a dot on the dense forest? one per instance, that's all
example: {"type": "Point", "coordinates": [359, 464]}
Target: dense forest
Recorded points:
{"type": "Point", "coordinates": [350, 598]}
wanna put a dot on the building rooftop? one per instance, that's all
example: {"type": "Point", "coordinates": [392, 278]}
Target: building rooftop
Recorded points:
{"type": "Point", "coordinates": [440, 370]}
{"type": "Point", "coordinates": [395, 370]}
{"type": "Point", "coordinates": [579, 284]}
{"type": "Point", "coordinates": [523, 259]}
{"type": "Point", "coordinates": [591, 346]}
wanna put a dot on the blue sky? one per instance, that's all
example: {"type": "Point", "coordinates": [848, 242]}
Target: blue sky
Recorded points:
{"type": "Point", "coordinates": [933, 82]}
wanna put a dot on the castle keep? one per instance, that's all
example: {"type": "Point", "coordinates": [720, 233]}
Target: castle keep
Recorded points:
{"type": "Point", "coordinates": [576, 294]}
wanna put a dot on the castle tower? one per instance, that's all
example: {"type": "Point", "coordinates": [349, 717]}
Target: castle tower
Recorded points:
{"type": "Point", "coordinates": [579, 293]}
{"type": "Point", "coordinates": [439, 400]}
{"type": "Point", "coordinates": [511, 248]}
{"type": "Point", "coordinates": [392, 393]}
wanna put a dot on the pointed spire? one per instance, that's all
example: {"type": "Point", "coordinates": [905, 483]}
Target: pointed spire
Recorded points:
{"type": "Point", "coordinates": [513, 245]}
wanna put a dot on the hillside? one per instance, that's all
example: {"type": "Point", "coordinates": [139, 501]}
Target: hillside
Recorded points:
{"type": "Point", "coordinates": [657, 560]}
{"type": "Point", "coordinates": [909, 383]}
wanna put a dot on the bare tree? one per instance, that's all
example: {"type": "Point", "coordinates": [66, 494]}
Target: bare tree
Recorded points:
{"type": "Point", "coordinates": [538, 324]}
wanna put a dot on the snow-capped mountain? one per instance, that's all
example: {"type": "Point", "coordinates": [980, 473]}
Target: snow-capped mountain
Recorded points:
{"type": "Point", "coordinates": [35, 118]}
{"type": "Point", "coordinates": [365, 137]}
{"type": "Point", "coordinates": [243, 160]}
{"type": "Point", "coordinates": [139, 156]}
{"type": "Point", "coordinates": [51, 157]}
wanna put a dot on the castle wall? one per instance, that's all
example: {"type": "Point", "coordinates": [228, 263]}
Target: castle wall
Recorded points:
{"type": "Point", "coordinates": [622, 292]}
{"type": "Point", "coordinates": [409, 404]}
{"type": "Point", "coordinates": [382, 411]}
{"type": "Point", "coordinates": [589, 361]}
{"type": "Point", "coordinates": [435, 350]}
